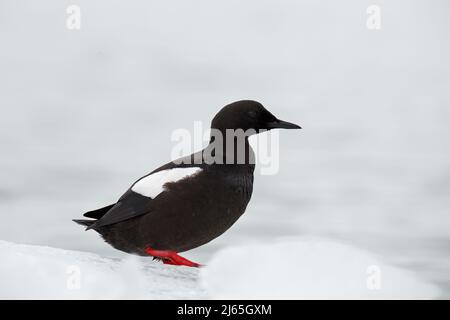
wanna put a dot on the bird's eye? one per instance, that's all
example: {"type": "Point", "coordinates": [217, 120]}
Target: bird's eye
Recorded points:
{"type": "Point", "coordinates": [252, 114]}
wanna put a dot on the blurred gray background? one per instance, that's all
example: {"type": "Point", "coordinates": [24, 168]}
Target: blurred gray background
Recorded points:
{"type": "Point", "coordinates": [84, 113]}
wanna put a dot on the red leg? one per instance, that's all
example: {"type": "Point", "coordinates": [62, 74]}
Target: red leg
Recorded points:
{"type": "Point", "coordinates": [171, 257]}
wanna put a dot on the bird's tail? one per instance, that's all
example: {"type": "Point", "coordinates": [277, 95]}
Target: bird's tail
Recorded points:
{"type": "Point", "coordinates": [95, 214]}
{"type": "Point", "coordinates": [86, 223]}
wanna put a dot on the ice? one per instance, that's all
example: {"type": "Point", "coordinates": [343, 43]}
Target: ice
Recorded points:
{"type": "Point", "coordinates": [304, 268]}
{"type": "Point", "coordinates": [36, 272]}
{"type": "Point", "coordinates": [308, 268]}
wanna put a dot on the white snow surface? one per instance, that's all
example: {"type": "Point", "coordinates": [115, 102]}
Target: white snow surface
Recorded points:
{"type": "Point", "coordinates": [35, 272]}
{"type": "Point", "coordinates": [300, 269]}
{"type": "Point", "coordinates": [308, 269]}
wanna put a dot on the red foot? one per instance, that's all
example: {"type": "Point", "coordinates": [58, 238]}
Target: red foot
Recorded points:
{"type": "Point", "coordinates": [171, 257]}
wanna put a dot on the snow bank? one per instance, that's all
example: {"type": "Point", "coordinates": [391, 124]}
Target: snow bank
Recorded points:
{"type": "Point", "coordinates": [301, 269]}
{"type": "Point", "coordinates": [308, 269]}
{"type": "Point", "coordinates": [34, 272]}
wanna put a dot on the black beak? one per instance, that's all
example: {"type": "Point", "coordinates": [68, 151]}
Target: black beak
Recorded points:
{"type": "Point", "coordinates": [280, 124]}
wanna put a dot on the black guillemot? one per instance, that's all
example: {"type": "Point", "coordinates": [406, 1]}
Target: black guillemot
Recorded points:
{"type": "Point", "coordinates": [190, 201]}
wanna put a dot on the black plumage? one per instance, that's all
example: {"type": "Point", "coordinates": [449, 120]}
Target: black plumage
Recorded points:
{"type": "Point", "coordinates": [198, 208]}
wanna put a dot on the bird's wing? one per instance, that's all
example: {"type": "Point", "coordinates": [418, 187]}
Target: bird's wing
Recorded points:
{"type": "Point", "coordinates": [139, 198]}
{"type": "Point", "coordinates": [98, 213]}
{"type": "Point", "coordinates": [130, 205]}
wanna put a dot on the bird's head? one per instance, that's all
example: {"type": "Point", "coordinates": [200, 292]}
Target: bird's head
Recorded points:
{"type": "Point", "coordinates": [248, 115]}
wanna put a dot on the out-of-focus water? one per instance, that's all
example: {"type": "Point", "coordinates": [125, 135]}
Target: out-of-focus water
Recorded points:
{"type": "Point", "coordinates": [85, 113]}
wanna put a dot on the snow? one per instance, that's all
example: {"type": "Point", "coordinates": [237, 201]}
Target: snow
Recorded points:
{"type": "Point", "coordinates": [35, 272]}
{"type": "Point", "coordinates": [296, 268]}
{"type": "Point", "coordinates": [308, 268]}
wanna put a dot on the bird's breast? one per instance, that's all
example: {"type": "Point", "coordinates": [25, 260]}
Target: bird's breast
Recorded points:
{"type": "Point", "coordinates": [193, 211]}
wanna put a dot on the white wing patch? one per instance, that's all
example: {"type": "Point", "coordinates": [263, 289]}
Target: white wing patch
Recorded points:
{"type": "Point", "coordinates": [152, 185]}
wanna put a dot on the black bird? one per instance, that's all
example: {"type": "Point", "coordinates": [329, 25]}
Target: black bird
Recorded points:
{"type": "Point", "coordinates": [193, 200]}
